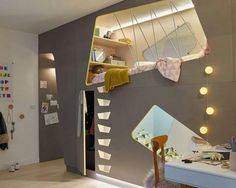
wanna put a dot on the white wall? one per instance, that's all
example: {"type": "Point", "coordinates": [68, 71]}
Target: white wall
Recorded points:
{"type": "Point", "coordinates": [22, 49]}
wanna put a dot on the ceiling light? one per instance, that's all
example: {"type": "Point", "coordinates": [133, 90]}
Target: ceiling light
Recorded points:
{"type": "Point", "coordinates": [158, 14]}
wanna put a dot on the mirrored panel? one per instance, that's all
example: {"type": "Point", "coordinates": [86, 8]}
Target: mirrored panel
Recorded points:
{"type": "Point", "coordinates": [157, 122]}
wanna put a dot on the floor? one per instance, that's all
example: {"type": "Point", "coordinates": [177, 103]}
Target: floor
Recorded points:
{"type": "Point", "coordinates": [47, 175]}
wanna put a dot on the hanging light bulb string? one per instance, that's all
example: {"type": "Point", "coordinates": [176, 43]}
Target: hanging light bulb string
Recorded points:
{"type": "Point", "coordinates": [204, 91]}
{"type": "Point", "coordinates": [207, 83]}
{"type": "Point", "coordinates": [207, 102]}
{"type": "Point", "coordinates": [208, 72]}
{"type": "Point", "coordinates": [209, 109]}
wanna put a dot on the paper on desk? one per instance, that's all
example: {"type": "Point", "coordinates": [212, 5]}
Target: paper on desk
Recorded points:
{"type": "Point", "coordinates": [210, 162]}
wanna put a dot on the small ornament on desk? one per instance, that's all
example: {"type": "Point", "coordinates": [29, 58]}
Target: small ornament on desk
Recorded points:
{"type": "Point", "coordinates": [225, 164]}
{"type": "Point", "coordinates": [233, 144]}
{"type": "Point", "coordinates": [232, 156]}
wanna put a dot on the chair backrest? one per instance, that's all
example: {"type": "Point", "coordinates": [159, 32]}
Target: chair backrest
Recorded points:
{"type": "Point", "coordinates": [157, 143]}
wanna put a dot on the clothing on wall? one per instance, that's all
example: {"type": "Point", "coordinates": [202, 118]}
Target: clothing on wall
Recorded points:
{"type": "Point", "coordinates": [82, 104]}
{"type": "Point", "coordinates": [3, 134]}
{"type": "Point", "coordinates": [89, 126]}
{"type": "Point", "coordinates": [89, 116]}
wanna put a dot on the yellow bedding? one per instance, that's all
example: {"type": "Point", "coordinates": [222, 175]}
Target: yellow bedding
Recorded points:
{"type": "Point", "coordinates": [116, 77]}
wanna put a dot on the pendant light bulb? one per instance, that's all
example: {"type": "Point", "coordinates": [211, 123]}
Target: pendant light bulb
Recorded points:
{"type": "Point", "coordinates": [210, 110]}
{"type": "Point", "coordinates": [203, 130]}
{"type": "Point", "coordinates": [208, 70]}
{"type": "Point", "coordinates": [203, 90]}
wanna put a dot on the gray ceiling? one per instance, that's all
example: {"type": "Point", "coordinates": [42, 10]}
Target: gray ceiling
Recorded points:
{"type": "Point", "coordinates": [38, 16]}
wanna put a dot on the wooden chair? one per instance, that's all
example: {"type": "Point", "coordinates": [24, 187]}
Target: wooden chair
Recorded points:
{"type": "Point", "coordinates": [158, 142]}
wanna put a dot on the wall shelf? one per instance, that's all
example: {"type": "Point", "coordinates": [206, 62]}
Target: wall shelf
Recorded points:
{"type": "Point", "coordinates": [108, 42]}
{"type": "Point", "coordinates": [110, 46]}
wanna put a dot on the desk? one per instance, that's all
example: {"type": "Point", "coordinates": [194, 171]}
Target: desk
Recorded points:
{"type": "Point", "coordinates": [200, 175]}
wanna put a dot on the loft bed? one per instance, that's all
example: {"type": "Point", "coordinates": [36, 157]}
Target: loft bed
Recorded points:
{"type": "Point", "coordinates": [143, 46]}
{"type": "Point", "coordinates": [144, 66]}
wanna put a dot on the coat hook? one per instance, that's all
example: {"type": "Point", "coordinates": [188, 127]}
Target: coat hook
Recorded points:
{"type": "Point", "coordinates": [21, 116]}
{"type": "Point", "coordinates": [10, 106]}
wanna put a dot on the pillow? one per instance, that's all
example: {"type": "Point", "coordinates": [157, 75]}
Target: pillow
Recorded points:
{"type": "Point", "coordinates": [142, 63]}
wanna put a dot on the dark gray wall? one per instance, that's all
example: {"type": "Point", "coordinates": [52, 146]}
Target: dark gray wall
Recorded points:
{"type": "Point", "coordinates": [50, 137]}
{"type": "Point", "coordinates": [70, 45]}
{"type": "Point", "coordinates": [130, 161]}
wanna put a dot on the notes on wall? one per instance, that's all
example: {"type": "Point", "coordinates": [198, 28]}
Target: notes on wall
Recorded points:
{"type": "Point", "coordinates": [53, 103]}
{"type": "Point", "coordinates": [43, 84]}
{"type": "Point", "coordinates": [51, 118]}
{"type": "Point", "coordinates": [49, 97]}
{"type": "Point", "coordinates": [5, 82]}
{"type": "Point", "coordinates": [48, 108]}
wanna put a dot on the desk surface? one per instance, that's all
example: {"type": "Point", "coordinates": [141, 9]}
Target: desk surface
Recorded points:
{"type": "Point", "coordinates": [200, 175]}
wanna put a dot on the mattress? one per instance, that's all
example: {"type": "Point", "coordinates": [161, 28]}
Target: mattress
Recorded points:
{"type": "Point", "coordinates": [138, 68]}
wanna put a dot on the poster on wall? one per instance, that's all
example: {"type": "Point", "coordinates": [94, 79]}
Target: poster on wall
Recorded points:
{"type": "Point", "coordinates": [49, 97]}
{"type": "Point", "coordinates": [5, 82]}
{"type": "Point", "coordinates": [51, 118]}
{"type": "Point", "coordinates": [43, 84]}
{"type": "Point", "coordinates": [44, 107]}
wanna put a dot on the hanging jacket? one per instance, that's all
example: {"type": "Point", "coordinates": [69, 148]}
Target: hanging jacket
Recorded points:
{"type": "Point", "coordinates": [3, 134]}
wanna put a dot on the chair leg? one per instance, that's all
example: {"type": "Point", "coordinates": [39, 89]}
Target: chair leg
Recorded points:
{"type": "Point", "coordinates": [156, 168]}
{"type": "Point", "coordinates": [162, 154]}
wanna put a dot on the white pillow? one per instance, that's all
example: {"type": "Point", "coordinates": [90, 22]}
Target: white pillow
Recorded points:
{"type": "Point", "coordinates": [142, 63]}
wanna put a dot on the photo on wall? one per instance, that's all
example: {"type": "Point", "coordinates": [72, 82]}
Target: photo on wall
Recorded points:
{"type": "Point", "coordinates": [44, 108]}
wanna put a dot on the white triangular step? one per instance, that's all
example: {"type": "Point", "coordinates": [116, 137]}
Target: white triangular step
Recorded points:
{"type": "Point", "coordinates": [101, 89]}
{"type": "Point", "coordinates": [104, 142]}
{"type": "Point", "coordinates": [104, 102]}
{"type": "Point", "coordinates": [104, 168]}
{"type": "Point", "coordinates": [104, 155]}
{"type": "Point", "coordinates": [104, 129]}
{"type": "Point", "coordinates": [104, 115]}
